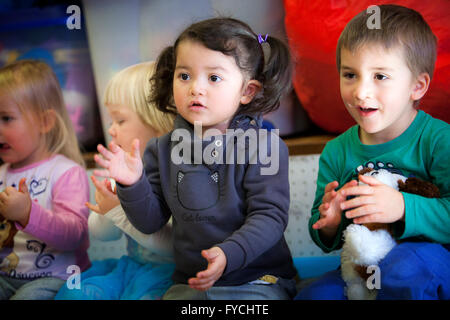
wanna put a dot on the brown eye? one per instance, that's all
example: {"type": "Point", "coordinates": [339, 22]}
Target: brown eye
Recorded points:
{"type": "Point", "coordinates": [6, 118]}
{"type": "Point", "coordinates": [215, 78]}
{"type": "Point", "coordinates": [380, 77]}
{"type": "Point", "coordinates": [349, 75]}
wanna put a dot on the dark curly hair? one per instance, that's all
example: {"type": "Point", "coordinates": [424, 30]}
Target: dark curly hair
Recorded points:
{"type": "Point", "coordinates": [233, 38]}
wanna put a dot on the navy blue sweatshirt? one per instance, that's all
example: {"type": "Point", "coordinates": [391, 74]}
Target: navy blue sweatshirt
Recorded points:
{"type": "Point", "coordinates": [224, 199]}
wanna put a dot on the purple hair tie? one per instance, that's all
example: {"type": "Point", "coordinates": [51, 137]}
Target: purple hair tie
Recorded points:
{"type": "Point", "coordinates": [260, 38]}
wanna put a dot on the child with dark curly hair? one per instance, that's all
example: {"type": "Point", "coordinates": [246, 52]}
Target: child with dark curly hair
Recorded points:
{"type": "Point", "coordinates": [229, 198]}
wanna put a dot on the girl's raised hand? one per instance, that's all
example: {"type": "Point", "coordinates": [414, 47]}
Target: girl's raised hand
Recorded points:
{"type": "Point", "coordinates": [125, 168]}
{"type": "Point", "coordinates": [105, 197]}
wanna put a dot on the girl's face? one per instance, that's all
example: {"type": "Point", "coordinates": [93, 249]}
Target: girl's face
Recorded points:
{"type": "Point", "coordinates": [20, 139]}
{"type": "Point", "coordinates": [208, 86]}
{"type": "Point", "coordinates": [127, 126]}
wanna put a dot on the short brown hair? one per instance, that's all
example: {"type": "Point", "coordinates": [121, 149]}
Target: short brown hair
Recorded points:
{"type": "Point", "coordinates": [400, 26]}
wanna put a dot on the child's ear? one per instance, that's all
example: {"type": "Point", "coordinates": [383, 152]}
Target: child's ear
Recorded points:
{"type": "Point", "coordinates": [251, 89]}
{"type": "Point", "coordinates": [48, 121]}
{"type": "Point", "coordinates": [421, 86]}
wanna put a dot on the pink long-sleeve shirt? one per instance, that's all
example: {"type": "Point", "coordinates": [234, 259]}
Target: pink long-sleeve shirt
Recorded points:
{"type": "Point", "coordinates": [56, 235]}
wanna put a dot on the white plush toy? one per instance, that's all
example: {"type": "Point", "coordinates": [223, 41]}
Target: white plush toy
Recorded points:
{"type": "Point", "coordinates": [363, 247]}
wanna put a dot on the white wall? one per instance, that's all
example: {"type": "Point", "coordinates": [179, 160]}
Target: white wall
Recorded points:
{"type": "Point", "coordinates": [113, 37]}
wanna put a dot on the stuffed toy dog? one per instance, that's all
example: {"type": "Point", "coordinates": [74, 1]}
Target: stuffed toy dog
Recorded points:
{"type": "Point", "coordinates": [367, 244]}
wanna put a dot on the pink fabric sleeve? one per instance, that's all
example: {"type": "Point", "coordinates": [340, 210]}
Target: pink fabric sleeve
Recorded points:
{"type": "Point", "coordinates": [64, 227]}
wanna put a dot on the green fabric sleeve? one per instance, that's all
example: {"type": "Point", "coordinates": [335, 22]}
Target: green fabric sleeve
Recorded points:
{"type": "Point", "coordinates": [429, 218]}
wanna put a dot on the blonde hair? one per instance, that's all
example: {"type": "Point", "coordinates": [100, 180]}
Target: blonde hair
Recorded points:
{"type": "Point", "coordinates": [32, 86]}
{"type": "Point", "coordinates": [131, 88]}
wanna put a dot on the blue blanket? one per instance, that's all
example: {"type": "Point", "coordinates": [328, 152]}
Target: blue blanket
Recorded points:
{"type": "Point", "coordinates": [121, 279]}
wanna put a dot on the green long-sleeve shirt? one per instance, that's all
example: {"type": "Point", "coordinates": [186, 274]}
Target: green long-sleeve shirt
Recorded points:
{"type": "Point", "coordinates": [423, 151]}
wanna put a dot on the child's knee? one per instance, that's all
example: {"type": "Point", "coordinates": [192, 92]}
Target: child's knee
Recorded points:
{"type": "Point", "coordinates": [415, 270]}
{"type": "Point", "coordinates": [40, 289]}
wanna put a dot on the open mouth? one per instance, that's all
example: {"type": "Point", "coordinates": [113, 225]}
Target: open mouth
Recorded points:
{"type": "Point", "coordinates": [4, 146]}
{"type": "Point", "coordinates": [196, 105]}
{"type": "Point", "coordinates": [366, 110]}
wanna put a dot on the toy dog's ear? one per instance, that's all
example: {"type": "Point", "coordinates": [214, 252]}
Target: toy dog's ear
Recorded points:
{"type": "Point", "coordinates": [364, 171]}
{"type": "Point", "coordinates": [419, 187]}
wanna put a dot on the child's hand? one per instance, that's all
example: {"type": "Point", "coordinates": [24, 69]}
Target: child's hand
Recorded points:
{"type": "Point", "coordinates": [330, 210]}
{"type": "Point", "coordinates": [217, 262]}
{"type": "Point", "coordinates": [105, 198]}
{"type": "Point", "coordinates": [376, 202]}
{"type": "Point", "coordinates": [123, 167]}
{"type": "Point", "coordinates": [15, 205]}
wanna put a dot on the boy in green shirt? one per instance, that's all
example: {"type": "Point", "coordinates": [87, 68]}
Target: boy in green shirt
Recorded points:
{"type": "Point", "coordinates": [383, 75]}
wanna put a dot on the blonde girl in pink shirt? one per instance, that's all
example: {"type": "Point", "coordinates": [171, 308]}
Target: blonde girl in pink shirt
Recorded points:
{"type": "Point", "coordinates": [43, 185]}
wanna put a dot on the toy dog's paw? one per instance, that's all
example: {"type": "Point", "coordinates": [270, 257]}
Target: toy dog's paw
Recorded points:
{"type": "Point", "coordinates": [367, 247]}
{"type": "Point", "coordinates": [357, 239]}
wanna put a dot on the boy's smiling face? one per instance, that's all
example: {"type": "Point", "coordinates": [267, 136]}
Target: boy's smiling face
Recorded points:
{"type": "Point", "coordinates": [379, 90]}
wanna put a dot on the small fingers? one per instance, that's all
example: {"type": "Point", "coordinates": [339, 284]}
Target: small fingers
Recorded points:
{"type": "Point", "coordinates": [102, 162]}
{"type": "Point", "coordinates": [210, 272]}
{"type": "Point", "coordinates": [357, 190]}
{"type": "Point", "coordinates": [9, 191]}
{"type": "Point", "coordinates": [206, 274]}
{"type": "Point", "coordinates": [3, 196]}
{"type": "Point", "coordinates": [351, 183]}
{"type": "Point", "coordinates": [331, 186]}
{"type": "Point", "coordinates": [329, 196]}
{"type": "Point", "coordinates": [105, 152]}
{"type": "Point", "coordinates": [322, 222]}
{"type": "Point", "coordinates": [362, 211]}
{"type": "Point", "coordinates": [101, 187]}
{"type": "Point", "coordinates": [93, 207]}
{"type": "Point", "coordinates": [101, 173]}
{"type": "Point", "coordinates": [357, 202]}
{"type": "Point", "coordinates": [323, 216]}
{"type": "Point", "coordinates": [97, 183]}
{"type": "Point", "coordinates": [317, 226]}
{"type": "Point", "coordinates": [370, 180]}
{"type": "Point", "coordinates": [98, 196]}
{"type": "Point", "coordinates": [136, 151]}
{"type": "Point", "coordinates": [202, 282]}
{"type": "Point", "coordinates": [202, 287]}
{"type": "Point", "coordinates": [324, 207]}
{"type": "Point", "coordinates": [370, 218]}
{"type": "Point", "coordinates": [114, 147]}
